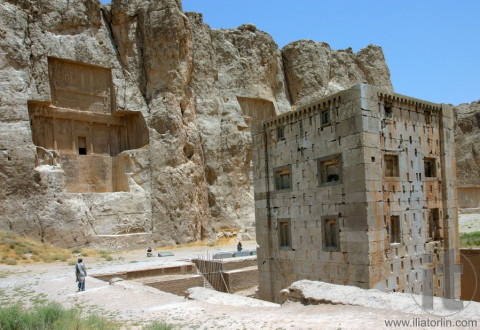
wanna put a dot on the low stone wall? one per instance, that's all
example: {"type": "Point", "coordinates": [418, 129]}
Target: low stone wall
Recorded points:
{"type": "Point", "coordinates": [470, 287]}
{"type": "Point", "coordinates": [225, 276]}
{"type": "Point", "coordinates": [230, 275]}
{"type": "Point", "coordinates": [142, 273]}
{"type": "Point", "coordinates": [232, 264]}
{"type": "Point", "coordinates": [178, 286]}
{"type": "Point", "coordinates": [241, 279]}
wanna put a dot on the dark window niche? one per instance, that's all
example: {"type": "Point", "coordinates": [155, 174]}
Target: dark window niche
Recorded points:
{"type": "Point", "coordinates": [82, 145]}
{"type": "Point", "coordinates": [430, 168]}
{"type": "Point", "coordinates": [388, 111]}
{"type": "Point", "coordinates": [391, 166]}
{"type": "Point", "coordinates": [331, 233]}
{"type": "Point", "coordinates": [283, 179]}
{"type": "Point", "coordinates": [325, 117]}
{"type": "Point", "coordinates": [284, 232]}
{"type": "Point", "coordinates": [330, 170]}
{"type": "Point", "coordinates": [393, 229]}
{"type": "Point", "coordinates": [434, 225]}
{"type": "Point", "coordinates": [280, 133]}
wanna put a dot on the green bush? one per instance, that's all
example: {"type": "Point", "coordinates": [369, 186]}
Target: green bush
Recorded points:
{"type": "Point", "coordinates": [41, 317]}
{"type": "Point", "coordinates": [12, 318]}
{"type": "Point", "coordinates": [49, 313]}
{"type": "Point", "coordinates": [104, 254]}
{"type": "Point", "coordinates": [57, 256]}
{"type": "Point", "coordinates": [470, 239]}
{"type": "Point", "coordinates": [50, 316]}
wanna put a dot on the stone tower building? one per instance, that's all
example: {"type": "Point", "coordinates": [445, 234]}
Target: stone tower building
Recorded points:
{"type": "Point", "coordinates": [358, 188]}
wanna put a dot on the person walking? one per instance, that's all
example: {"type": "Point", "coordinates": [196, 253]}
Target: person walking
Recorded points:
{"type": "Point", "coordinates": [81, 273]}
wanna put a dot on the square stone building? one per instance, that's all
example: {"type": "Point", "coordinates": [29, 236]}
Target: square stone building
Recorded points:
{"type": "Point", "coordinates": [357, 188]}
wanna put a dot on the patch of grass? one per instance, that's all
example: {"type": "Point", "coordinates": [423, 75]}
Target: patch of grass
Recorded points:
{"type": "Point", "coordinates": [15, 249]}
{"type": "Point", "coordinates": [89, 253]}
{"type": "Point", "coordinates": [39, 299]}
{"type": "Point", "coordinates": [106, 255]}
{"type": "Point", "coordinates": [59, 256]}
{"type": "Point", "coordinates": [5, 274]}
{"type": "Point", "coordinates": [468, 240]}
{"type": "Point", "coordinates": [77, 251]}
{"type": "Point", "coordinates": [51, 316]}
{"type": "Point", "coordinates": [158, 326]}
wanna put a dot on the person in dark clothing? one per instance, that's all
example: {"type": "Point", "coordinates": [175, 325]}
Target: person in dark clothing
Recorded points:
{"type": "Point", "coordinates": [81, 273]}
{"type": "Point", "coordinates": [239, 246]}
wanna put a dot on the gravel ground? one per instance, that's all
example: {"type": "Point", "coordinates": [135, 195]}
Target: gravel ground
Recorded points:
{"type": "Point", "coordinates": [136, 304]}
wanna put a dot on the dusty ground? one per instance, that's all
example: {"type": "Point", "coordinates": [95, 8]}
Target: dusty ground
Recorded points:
{"type": "Point", "coordinates": [468, 223]}
{"type": "Point", "coordinates": [135, 304]}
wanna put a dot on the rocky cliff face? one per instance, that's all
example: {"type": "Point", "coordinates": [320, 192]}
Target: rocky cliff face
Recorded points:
{"type": "Point", "coordinates": [467, 144]}
{"type": "Point", "coordinates": [314, 70]}
{"type": "Point", "coordinates": [197, 91]}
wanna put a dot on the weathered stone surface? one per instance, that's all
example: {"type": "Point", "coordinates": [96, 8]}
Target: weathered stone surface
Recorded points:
{"type": "Point", "coordinates": [467, 139]}
{"type": "Point", "coordinates": [197, 91]}
{"type": "Point", "coordinates": [354, 189]}
{"type": "Point", "coordinates": [314, 70]}
{"type": "Point", "coordinates": [316, 292]}
{"type": "Point", "coordinates": [229, 64]}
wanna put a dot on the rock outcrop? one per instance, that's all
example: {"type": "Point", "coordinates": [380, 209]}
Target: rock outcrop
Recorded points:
{"type": "Point", "coordinates": [467, 151]}
{"type": "Point", "coordinates": [190, 92]}
{"type": "Point", "coordinates": [467, 143]}
{"type": "Point", "coordinates": [314, 70]}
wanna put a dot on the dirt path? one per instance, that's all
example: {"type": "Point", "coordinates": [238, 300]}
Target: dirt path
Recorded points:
{"type": "Point", "coordinates": [136, 304]}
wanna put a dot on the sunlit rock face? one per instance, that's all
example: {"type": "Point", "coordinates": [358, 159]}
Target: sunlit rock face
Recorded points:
{"type": "Point", "coordinates": [467, 140]}
{"type": "Point", "coordinates": [128, 124]}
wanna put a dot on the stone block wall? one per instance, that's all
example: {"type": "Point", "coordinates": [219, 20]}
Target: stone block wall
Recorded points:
{"type": "Point", "coordinates": [241, 279]}
{"type": "Point", "coordinates": [152, 272]}
{"type": "Point", "coordinates": [417, 138]}
{"type": "Point", "coordinates": [178, 286]}
{"type": "Point", "coordinates": [319, 149]}
{"type": "Point", "coordinates": [358, 189]}
{"type": "Point", "coordinates": [244, 262]}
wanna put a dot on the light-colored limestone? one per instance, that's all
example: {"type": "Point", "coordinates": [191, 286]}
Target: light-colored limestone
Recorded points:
{"type": "Point", "coordinates": [335, 70]}
{"type": "Point", "coordinates": [467, 140]}
{"type": "Point", "coordinates": [311, 292]}
{"type": "Point", "coordinates": [197, 90]}
{"type": "Point", "coordinates": [365, 199]}
{"type": "Point", "coordinates": [220, 298]}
